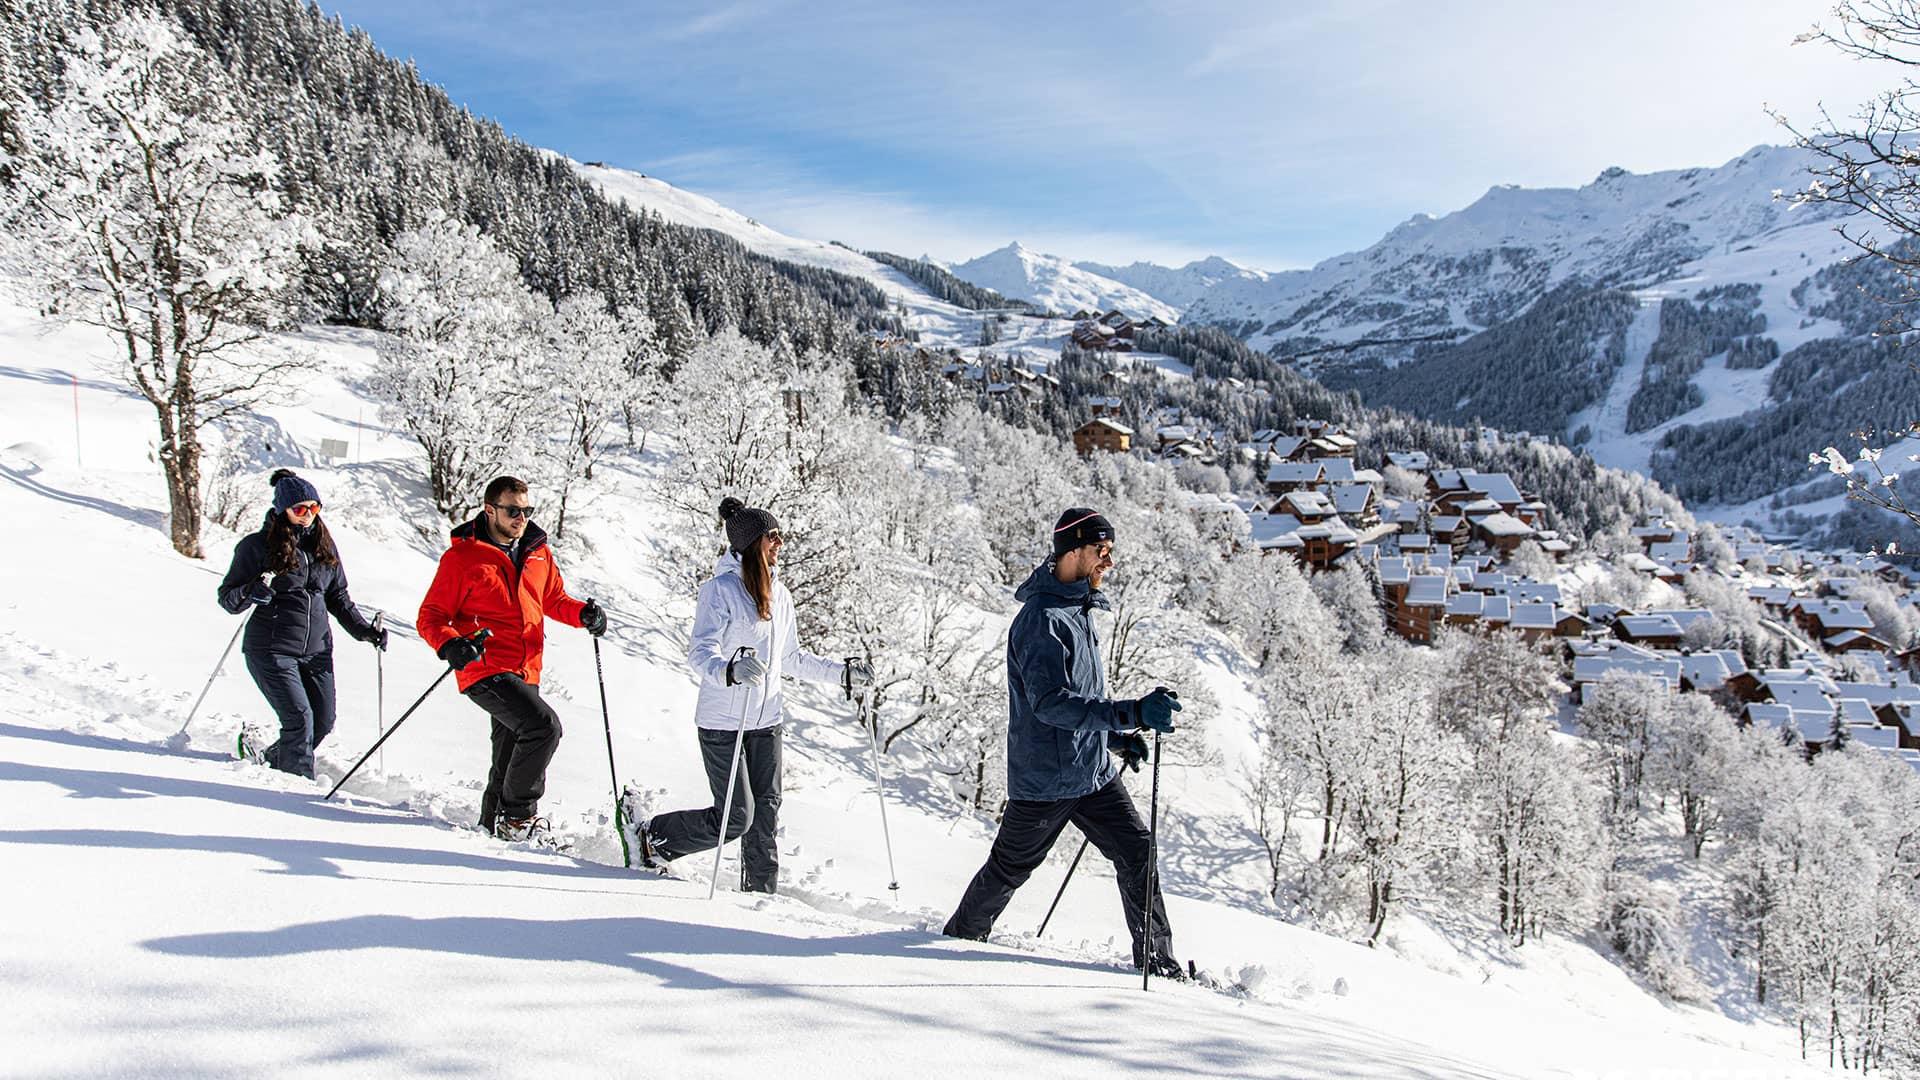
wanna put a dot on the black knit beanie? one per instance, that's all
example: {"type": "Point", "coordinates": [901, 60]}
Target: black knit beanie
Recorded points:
{"type": "Point", "coordinates": [745, 524]}
{"type": "Point", "coordinates": [1077, 528]}
{"type": "Point", "coordinates": [290, 489]}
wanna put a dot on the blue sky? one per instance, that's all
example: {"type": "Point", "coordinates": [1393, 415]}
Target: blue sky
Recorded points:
{"type": "Point", "coordinates": [1276, 134]}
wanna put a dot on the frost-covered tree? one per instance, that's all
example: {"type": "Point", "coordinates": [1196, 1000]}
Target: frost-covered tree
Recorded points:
{"type": "Point", "coordinates": [461, 370]}
{"type": "Point", "coordinates": [1266, 602]}
{"type": "Point", "coordinates": [141, 204]}
{"type": "Point", "coordinates": [1619, 716]}
{"type": "Point", "coordinates": [585, 353]}
{"type": "Point", "coordinates": [1532, 814]}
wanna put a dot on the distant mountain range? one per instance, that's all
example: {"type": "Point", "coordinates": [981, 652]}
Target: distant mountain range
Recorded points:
{"type": "Point", "coordinates": [1020, 273]}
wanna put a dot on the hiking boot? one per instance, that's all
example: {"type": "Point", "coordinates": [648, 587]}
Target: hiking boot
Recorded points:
{"type": "Point", "coordinates": [1166, 967]}
{"type": "Point", "coordinates": [530, 830]}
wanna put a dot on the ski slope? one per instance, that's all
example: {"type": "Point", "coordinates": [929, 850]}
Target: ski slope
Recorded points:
{"type": "Point", "coordinates": [181, 913]}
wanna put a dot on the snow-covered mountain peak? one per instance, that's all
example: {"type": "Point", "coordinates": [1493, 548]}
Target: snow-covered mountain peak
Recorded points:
{"type": "Point", "coordinates": [1022, 273]}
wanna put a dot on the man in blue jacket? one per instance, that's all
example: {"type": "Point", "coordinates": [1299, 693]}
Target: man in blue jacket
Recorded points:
{"type": "Point", "coordinates": [1060, 727]}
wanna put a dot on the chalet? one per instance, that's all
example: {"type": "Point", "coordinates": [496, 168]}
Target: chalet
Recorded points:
{"type": "Point", "coordinates": [1774, 598]}
{"type": "Point", "coordinates": [1537, 621]}
{"type": "Point", "coordinates": [1855, 641]}
{"type": "Point", "coordinates": [1103, 406]}
{"type": "Point", "coordinates": [1357, 503]}
{"type": "Point", "coordinates": [1554, 546]}
{"type": "Point", "coordinates": [1414, 461]}
{"type": "Point", "coordinates": [1332, 445]}
{"type": "Point", "coordinates": [1104, 435]}
{"type": "Point", "coordinates": [1814, 728]}
{"type": "Point", "coordinates": [1287, 447]}
{"type": "Point", "coordinates": [1718, 669]}
{"type": "Point", "coordinates": [1648, 535]}
{"type": "Point", "coordinates": [1172, 435]}
{"type": "Point", "coordinates": [1120, 324]}
{"type": "Point", "coordinates": [1415, 542]}
{"type": "Point", "coordinates": [1672, 552]}
{"type": "Point", "coordinates": [1451, 530]}
{"type": "Point", "coordinates": [1285, 476]}
{"type": "Point", "coordinates": [1310, 507]}
{"type": "Point", "coordinates": [1533, 512]}
{"type": "Point", "coordinates": [1338, 470]}
{"type": "Point", "coordinates": [1502, 531]}
{"type": "Point", "coordinates": [1414, 600]}
{"type": "Point", "coordinates": [1653, 631]}
{"type": "Point", "coordinates": [1496, 486]}
{"type": "Point", "coordinates": [1091, 334]}
{"type": "Point", "coordinates": [1588, 670]}
{"type": "Point", "coordinates": [1825, 618]}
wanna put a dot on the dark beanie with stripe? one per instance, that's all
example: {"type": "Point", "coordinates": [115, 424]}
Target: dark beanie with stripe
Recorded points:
{"type": "Point", "coordinates": [1077, 528]}
{"type": "Point", "coordinates": [745, 524]}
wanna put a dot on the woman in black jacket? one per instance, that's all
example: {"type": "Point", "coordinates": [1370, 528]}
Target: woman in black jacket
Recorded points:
{"type": "Point", "coordinates": [290, 574]}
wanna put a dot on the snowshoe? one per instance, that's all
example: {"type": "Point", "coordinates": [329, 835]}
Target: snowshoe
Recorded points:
{"type": "Point", "coordinates": [532, 831]}
{"type": "Point", "coordinates": [251, 744]}
{"type": "Point", "coordinates": [635, 816]}
{"type": "Point", "coordinates": [1166, 967]}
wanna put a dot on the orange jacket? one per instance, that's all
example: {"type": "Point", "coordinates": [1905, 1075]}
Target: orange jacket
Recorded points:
{"type": "Point", "coordinates": [477, 587]}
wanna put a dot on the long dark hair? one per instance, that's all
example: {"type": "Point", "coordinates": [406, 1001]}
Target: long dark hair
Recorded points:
{"type": "Point", "coordinates": [757, 576]}
{"type": "Point", "coordinates": [283, 539]}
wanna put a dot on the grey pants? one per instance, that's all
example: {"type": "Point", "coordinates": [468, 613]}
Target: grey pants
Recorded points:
{"type": "Point", "coordinates": [755, 814]}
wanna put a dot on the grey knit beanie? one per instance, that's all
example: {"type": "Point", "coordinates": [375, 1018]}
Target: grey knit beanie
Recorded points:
{"type": "Point", "coordinates": [745, 524]}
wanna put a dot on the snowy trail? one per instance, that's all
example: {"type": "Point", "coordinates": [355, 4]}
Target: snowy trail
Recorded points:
{"type": "Point", "coordinates": [205, 917]}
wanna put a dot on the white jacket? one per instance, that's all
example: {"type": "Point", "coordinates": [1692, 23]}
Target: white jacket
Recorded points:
{"type": "Point", "coordinates": [725, 618]}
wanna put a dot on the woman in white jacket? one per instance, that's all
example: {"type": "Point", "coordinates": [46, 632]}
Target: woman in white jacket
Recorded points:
{"type": "Point", "coordinates": [743, 605]}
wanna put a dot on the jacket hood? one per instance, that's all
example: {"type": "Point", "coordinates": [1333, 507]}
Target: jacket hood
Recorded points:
{"type": "Point", "coordinates": [727, 563]}
{"type": "Point", "coordinates": [534, 538]}
{"type": "Point", "coordinates": [1043, 586]}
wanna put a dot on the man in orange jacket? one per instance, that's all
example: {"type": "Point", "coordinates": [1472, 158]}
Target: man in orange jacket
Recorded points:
{"type": "Point", "coordinates": [498, 574]}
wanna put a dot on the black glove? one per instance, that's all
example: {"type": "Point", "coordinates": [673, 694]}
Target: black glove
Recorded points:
{"type": "Point", "coordinates": [459, 652]}
{"type": "Point", "coordinates": [376, 637]}
{"type": "Point", "coordinates": [1131, 748]}
{"type": "Point", "coordinates": [593, 618]}
{"type": "Point", "coordinates": [1156, 709]}
{"type": "Point", "coordinates": [259, 593]}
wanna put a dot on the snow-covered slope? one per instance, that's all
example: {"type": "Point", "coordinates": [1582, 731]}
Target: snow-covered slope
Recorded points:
{"type": "Point", "coordinates": [191, 915]}
{"type": "Point", "coordinates": [1179, 286]}
{"type": "Point", "coordinates": [1477, 266]}
{"type": "Point", "coordinates": [1055, 284]}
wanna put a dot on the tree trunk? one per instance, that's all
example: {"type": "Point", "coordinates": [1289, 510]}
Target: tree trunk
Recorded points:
{"type": "Point", "coordinates": [180, 463]}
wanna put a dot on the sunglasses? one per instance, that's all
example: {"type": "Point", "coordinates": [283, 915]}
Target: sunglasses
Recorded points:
{"type": "Point", "coordinates": [305, 509]}
{"type": "Point", "coordinates": [515, 512]}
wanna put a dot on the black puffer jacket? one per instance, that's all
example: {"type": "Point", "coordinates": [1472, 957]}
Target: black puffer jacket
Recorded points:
{"type": "Point", "coordinates": [295, 622]}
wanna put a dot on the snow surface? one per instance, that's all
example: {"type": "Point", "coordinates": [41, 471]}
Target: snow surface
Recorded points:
{"type": "Point", "coordinates": [189, 914]}
{"type": "Point", "coordinates": [1176, 286]}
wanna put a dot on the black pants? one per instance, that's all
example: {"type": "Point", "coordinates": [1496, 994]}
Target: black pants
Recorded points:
{"type": "Point", "coordinates": [300, 690]}
{"type": "Point", "coordinates": [755, 814]}
{"type": "Point", "coordinates": [526, 732]}
{"type": "Point", "coordinates": [1027, 832]}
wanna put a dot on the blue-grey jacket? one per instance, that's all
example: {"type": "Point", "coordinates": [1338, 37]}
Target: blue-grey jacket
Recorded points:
{"type": "Point", "coordinates": [1058, 710]}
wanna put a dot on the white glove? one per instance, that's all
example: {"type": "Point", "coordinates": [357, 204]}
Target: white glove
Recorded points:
{"type": "Point", "coordinates": [746, 671]}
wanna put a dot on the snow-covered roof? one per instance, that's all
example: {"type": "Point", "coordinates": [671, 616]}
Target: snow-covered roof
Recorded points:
{"type": "Point", "coordinates": [1294, 472]}
{"type": "Point", "coordinates": [1101, 421]}
{"type": "Point", "coordinates": [1352, 498]}
{"type": "Point", "coordinates": [1466, 604]}
{"type": "Point", "coordinates": [1427, 590]}
{"type": "Point", "coordinates": [1535, 616]}
{"type": "Point", "coordinates": [1649, 626]}
{"type": "Point", "coordinates": [1503, 524]}
{"type": "Point", "coordinates": [1306, 503]}
{"type": "Point", "coordinates": [1591, 669]}
{"type": "Point", "coordinates": [1286, 446]}
{"type": "Point", "coordinates": [1834, 615]}
{"type": "Point", "coordinates": [1410, 460]}
{"type": "Point", "coordinates": [1337, 470]}
{"type": "Point", "coordinates": [1852, 637]}
{"type": "Point", "coordinates": [1496, 486]}
{"type": "Point", "coordinates": [1800, 695]}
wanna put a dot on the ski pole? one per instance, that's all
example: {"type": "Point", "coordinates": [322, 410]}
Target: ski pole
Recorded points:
{"type": "Point", "coordinates": [380, 686]}
{"type": "Point", "coordinates": [179, 738]}
{"type": "Point", "coordinates": [879, 779]}
{"type": "Point", "coordinates": [479, 639]}
{"type": "Point", "coordinates": [619, 821]}
{"type": "Point", "coordinates": [733, 771]}
{"type": "Point", "coordinates": [1071, 867]}
{"type": "Point", "coordinates": [1153, 864]}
